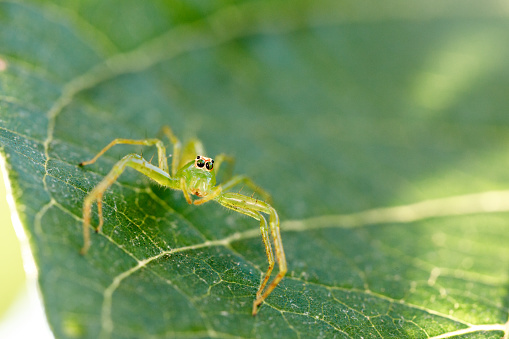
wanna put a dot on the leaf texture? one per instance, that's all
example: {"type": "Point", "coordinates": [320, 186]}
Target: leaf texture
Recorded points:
{"type": "Point", "coordinates": [380, 131]}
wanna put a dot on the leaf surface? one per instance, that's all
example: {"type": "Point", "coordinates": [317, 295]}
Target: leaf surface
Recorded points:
{"type": "Point", "coordinates": [380, 131]}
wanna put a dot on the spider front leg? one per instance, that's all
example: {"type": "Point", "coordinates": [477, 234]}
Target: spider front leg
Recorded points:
{"type": "Point", "coordinates": [132, 160]}
{"type": "Point", "coordinates": [254, 208]}
{"type": "Point", "coordinates": [161, 150]}
{"type": "Point", "coordinates": [236, 180]}
{"type": "Point", "coordinates": [242, 179]}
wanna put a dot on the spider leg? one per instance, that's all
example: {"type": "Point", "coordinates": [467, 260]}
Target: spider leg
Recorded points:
{"type": "Point", "coordinates": [219, 160]}
{"type": "Point", "coordinates": [264, 228]}
{"type": "Point", "coordinates": [192, 148]}
{"type": "Point", "coordinates": [184, 189]}
{"type": "Point", "coordinates": [132, 160]}
{"type": "Point", "coordinates": [242, 179]}
{"type": "Point", "coordinates": [161, 150]}
{"type": "Point", "coordinates": [236, 180]}
{"type": "Point", "coordinates": [253, 208]}
{"type": "Point", "coordinates": [177, 147]}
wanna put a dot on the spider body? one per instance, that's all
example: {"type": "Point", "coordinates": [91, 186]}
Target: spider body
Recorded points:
{"type": "Point", "coordinates": [199, 176]}
{"type": "Point", "coordinates": [195, 175]}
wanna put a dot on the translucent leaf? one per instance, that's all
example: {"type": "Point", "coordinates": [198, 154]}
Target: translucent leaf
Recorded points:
{"type": "Point", "coordinates": [379, 128]}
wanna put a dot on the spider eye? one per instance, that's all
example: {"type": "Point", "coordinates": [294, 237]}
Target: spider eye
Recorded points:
{"type": "Point", "coordinates": [200, 162]}
{"type": "Point", "coordinates": [209, 165]}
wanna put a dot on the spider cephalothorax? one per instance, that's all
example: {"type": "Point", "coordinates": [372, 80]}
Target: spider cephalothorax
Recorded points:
{"type": "Point", "coordinates": [204, 162]}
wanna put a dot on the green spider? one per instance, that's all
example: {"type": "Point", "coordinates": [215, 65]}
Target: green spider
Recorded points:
{"type": "Point", "coordinates": [193, 174]}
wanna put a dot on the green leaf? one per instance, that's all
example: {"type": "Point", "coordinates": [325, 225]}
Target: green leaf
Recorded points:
{"type": "Point", "coordinates": [379, 128]}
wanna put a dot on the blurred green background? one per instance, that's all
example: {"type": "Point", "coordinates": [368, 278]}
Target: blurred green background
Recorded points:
{"type": "Point", "coordinates": [12, 277]}
{"type": "Point", "coordinates": [337, 107]}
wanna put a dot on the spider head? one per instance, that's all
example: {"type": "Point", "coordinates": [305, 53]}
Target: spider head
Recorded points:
{"type": "Point", "coordinates": [204, 163]}
{"type": "Point", "coordinates": [199, 175]}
